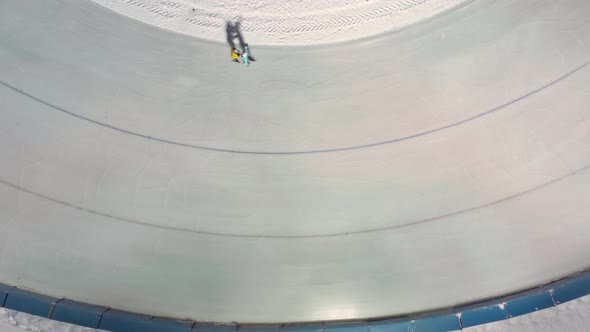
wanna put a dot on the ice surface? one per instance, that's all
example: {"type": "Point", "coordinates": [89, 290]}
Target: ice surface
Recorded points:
{"type": "Point", "coordinates": [443, 164]}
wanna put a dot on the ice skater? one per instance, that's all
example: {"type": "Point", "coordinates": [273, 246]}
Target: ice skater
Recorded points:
{"type": "Point", "coordinates": [235, 40]}
{"type": "Point", "coordinates": [235, 55]}
{"type": "Point", "coordinates": [246, 56]}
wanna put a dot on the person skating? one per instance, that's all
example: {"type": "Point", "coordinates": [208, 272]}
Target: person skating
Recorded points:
{"type": "Point", "coordinates": [246, 56]}
{"type": "Point", "coordinates": [235, 55]}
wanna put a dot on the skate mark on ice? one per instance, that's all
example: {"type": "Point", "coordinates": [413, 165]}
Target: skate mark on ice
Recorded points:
{"type": "Point", "coordinates": [303, 152]}
{"type": "Point", "coordinates": [442, 217]}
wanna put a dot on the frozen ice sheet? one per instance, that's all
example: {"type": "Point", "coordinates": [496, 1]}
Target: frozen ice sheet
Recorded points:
{"type": "Point", "coordinates": [145, 171]}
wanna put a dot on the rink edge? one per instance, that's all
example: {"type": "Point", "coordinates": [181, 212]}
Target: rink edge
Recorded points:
{"type": "Point", "coordinates": [451, 319]}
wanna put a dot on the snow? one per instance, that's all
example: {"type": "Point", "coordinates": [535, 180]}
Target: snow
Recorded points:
{"type": "Point", "coordinates": [442, 164]}
{"type": "Point", "coordinates": [13, 321]}
{"type": "Point", "coordinates": [571, 316]}
{"type": "Point", "coordinates": [278, 22]}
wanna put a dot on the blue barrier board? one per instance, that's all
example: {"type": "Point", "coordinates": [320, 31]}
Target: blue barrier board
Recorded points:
{"type": "Point", "coordinates": [78, 313]}
{"type": "Point", "coordinates": [207, 327]}
{"type": "Point", "coordinates": [31, 303]}
{"type": "Point", "coordinates": [346, 327]}
{"type": "Point", "coordinates": [483, 315]}
{"type": "Point", "coordinates": [528, 304]}
{"type": "Point", "coordinates": [392, 326]}
{"type": "Point", "coordinates": [121, 321]}
{"type": "Point", "coordinates": [443, 323]}
{"type": "Point", "coordinates": [572, 290]}
{"type": "Point", "coordinates": [4, 290]}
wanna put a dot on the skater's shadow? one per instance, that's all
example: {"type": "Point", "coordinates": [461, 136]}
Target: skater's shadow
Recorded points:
{"type": "Point", "coordinates": [233, 34]}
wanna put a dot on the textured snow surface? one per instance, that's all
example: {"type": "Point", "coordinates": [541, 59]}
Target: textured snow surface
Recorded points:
{"type": "Point", "coordinates": [573, 316]}
{"type": "Point", "coordinates": [13, 321]}
{"type": "Point", "coordinates": [282, 22]}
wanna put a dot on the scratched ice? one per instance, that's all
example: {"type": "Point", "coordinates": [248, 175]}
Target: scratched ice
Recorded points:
{"type": "Point", "coordinates": [444, 163]}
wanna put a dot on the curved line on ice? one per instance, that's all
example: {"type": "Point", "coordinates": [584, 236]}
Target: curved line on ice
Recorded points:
{"type": "Point", "coordinates": [356, 147]}
{"type": "Point", "coordinates": [311, 236]}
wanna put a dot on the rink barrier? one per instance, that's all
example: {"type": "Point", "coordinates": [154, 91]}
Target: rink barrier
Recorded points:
{"type": "Point", "coordinates": [79, 313]}
{"type": "Point", "coordinates": [457, 318]}
{"type": "Point", "coordinates": [4, 289]}
{"type": "Point", "coordinates": [31, 303]}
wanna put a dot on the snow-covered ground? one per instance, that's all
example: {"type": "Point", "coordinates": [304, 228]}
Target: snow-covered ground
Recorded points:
{"type": "Point", "coordinates": [573, 316]}
{"type": "Point", "coordinates": [13, 321]}
{"type": "Point", "coordinates": [280, 22]}
{"type": "Point", "coordinates": [442, 164]}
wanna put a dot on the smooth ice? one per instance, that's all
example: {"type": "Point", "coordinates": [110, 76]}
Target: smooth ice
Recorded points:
{"type": "Point", "coordinates": [442, 164]}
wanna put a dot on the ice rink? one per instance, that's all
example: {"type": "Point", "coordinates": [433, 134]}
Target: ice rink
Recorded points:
{"type": "Point", "coordinates": [438, 165]}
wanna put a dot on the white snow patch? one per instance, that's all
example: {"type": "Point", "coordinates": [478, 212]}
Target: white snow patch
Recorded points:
{"type": "Point", "coordinates": [572, 316]}
{"type": "Point", "coordinates": [14, 321]}
{"type": "Point", "coordinates": [278, 22]}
